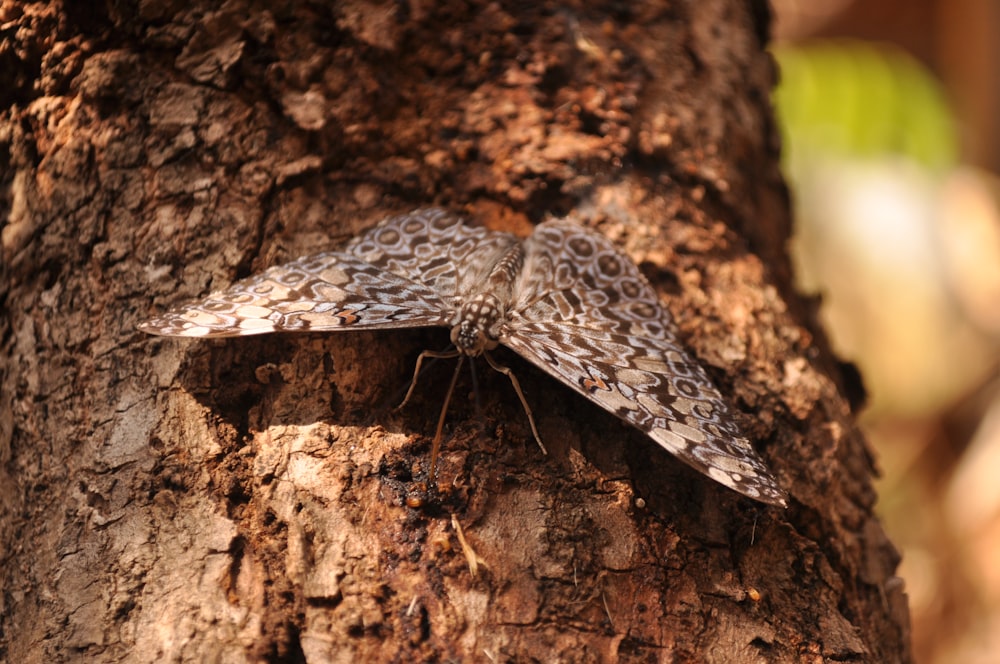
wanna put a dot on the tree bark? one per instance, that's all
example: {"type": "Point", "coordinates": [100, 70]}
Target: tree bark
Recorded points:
{"type": "Point", "coordinates": [259, 499]}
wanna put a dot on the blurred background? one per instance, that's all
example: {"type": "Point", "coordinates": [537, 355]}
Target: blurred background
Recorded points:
{"type": "Point", "coordinates": [891, 118]}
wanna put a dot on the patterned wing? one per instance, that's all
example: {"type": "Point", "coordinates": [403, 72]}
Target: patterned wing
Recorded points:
{"type": "Point", "coordinates": [586, 315]}
{"type": "Point", "coordinates": [329, 291]}
{"type": "Point", "coordinates": [435, 248]}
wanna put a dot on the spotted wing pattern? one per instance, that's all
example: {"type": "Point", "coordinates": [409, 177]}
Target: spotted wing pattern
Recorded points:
{"type": "Point", "coordinates": [586, 315]}
{"type": "Point", "coordinates": [436, 249]}
{"type": "Point", "coordinates": [580, 310]}
{"type": "Point", "coordinates": [409, 271]}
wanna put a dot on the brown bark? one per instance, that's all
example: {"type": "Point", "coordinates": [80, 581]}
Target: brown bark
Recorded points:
{"type": "Point", "coordinates": [258, 499]}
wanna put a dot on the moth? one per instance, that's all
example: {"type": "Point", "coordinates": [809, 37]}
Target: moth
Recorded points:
{"type": "Point", "coordinates": [565, 299]}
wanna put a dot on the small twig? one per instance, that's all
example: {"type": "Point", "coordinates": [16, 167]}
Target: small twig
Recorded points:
{"type": "Point", "coordinates": [471, 557]}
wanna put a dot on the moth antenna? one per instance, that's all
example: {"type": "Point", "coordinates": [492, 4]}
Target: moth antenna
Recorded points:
{"type": "Point", "coordinates": [436, 445]}
{"type": "Point", "coordinates": [475, 385]}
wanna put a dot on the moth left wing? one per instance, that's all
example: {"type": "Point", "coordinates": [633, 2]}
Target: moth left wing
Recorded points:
{"type": "Point", "coordinates": [657, 388]}
{"type": "Point", "coordinates": [585, 314]}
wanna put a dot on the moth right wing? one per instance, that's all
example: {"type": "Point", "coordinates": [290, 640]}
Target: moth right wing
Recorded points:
{"type": "Point", "coordinates": [326, 292]}
{"type": "Point", "coordinates": [435, 248]}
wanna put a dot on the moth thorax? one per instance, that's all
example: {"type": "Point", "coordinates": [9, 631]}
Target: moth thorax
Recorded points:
{"type": "Point", "coordinates": [504, 273]}
{"type": "Point", "coordinates": [471, 332]}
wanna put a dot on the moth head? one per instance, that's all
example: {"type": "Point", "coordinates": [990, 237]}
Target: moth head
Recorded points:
{"type": "Point", "coordinates": [470, 331]}
{"type": "Point", "coordinates": [471, 339]}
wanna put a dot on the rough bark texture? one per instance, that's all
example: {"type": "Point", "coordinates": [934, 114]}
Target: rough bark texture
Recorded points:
{"type": "Point", "coordinates": [258, 499]}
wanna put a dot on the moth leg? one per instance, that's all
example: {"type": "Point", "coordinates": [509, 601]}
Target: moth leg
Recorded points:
{"type": "Point", "coordinates": [520, 395]}
{"type": "Point", "coordinates": [444, 355]}
{"type": "Point", "coordinates": [441, 355]}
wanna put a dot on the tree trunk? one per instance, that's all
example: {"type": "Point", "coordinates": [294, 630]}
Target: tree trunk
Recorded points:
{"type": "Point", "coordinates": [260, 499]}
